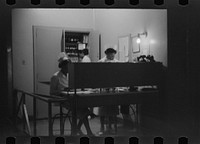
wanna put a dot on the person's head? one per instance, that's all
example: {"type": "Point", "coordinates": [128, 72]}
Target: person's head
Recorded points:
{"type": "Point", "coordinates": [81, 54]}
{"type": "Point", "coordinates": [85, 51]}
{"type": "Point", "coordinates": [110, 53]}
{"type": "Point", "coordinates": [63, 63]}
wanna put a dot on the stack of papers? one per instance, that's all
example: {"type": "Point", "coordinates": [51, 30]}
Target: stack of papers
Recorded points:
{"type": "Point", "coordinates": [78, 92]}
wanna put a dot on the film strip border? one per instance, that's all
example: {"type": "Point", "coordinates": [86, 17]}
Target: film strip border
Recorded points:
{"type": "Point", "coordinates": [107, 2]}
{"type": "Point", "coordinates": [101, 140]}
{"type": "Point", "coordinates": [90, 4]}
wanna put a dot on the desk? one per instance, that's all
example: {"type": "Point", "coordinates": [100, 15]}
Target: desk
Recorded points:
{"type": "Point", "coordinates": [112, 98]}
{"type": "Point", "coordinates": [90, 100]}
{"type": "Point", "coordinates": [105, 75]}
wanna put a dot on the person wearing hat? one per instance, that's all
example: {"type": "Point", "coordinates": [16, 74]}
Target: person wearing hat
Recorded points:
{"type": "Point", "coordinates": [59, 80]}
{"type": "Point", "coordinates": [108, 111]}
{"type": "Point", "coordinates": [124, 109]}
{"type": "Point", "coordinates": [110, 56]}
{"type": "Point", "coordinates": [59, 83]}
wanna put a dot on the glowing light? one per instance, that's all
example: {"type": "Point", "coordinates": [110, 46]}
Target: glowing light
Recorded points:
{"type": "Point", "coordinates": [138, 40]}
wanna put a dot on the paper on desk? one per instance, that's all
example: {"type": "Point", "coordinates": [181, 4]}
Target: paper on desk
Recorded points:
{"type": "Point", "coordinates": [78, 92]}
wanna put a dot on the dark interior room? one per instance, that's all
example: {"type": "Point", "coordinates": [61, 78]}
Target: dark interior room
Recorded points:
{"type": "Point", "coordinates": [178, 112]}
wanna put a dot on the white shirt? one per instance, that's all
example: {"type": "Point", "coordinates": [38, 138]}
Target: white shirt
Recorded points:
{"type": "Point", "coordinates": [104, 59]}
{"type": "Point", "coordinates": [86, 59]}
{"type": "Point", "coordinates": [59, 82]}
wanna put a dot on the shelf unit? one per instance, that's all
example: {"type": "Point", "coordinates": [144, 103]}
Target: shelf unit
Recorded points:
{"type": "Point", "coordinates": [74, 42]}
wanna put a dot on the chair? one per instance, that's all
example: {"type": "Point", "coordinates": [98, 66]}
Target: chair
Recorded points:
{"type": "Point", "coordinates": [58, 115]}
{"type": "Point", "coordinates": [65, 116]}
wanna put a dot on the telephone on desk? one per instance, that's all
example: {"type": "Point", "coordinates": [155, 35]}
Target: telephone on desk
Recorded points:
{"type": "Point", "coordinates": [144, 58]}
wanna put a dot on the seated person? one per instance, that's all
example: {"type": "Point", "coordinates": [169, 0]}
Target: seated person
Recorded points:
{"type": "Point", "coordinates": [59, 83]}
{"type": "Point", "coordinates": [110, 56]}
{"type": "Point", "coordinates": [112, 110]}
{"type": "Point", "coordinates": [124, 109]}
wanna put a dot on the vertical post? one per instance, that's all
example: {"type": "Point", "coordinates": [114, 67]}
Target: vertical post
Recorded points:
{"type": "Point", "coordinates": [99, 46]}
{"type": "Point", "coordinates": [61, 120]}
{"type": "Point", "coordinates": [15, 106]}
{"type": "Point", "coordinates": [34, 117]}
{"type": "Point", "coordinates": [74, 115]}
{"type": "Point", "coordinates": [24, 101]}
{"type": "Point", "coordinates": [73, 103]}
{"type": "Point", "coordinates": [138, 117]}
{"type": "Point", "coordinates": [136, 114]}
{"type": "Point", "coordinates": [50, 119]}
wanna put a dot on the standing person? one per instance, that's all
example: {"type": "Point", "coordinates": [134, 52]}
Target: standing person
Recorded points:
{"type": "Point", "coordinates": [59, 83]}
{"type": "Point", "coordinates": [112, 110]}
{"type": "Point", "coordinates": [86, 57]}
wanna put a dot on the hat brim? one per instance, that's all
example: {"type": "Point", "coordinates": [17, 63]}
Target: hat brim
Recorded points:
{"type": "Point", "coordinates": [108, 51]}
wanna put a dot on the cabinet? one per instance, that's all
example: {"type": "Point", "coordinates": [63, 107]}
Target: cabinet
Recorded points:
{"type": "Point", "coordinates": [74, 42]}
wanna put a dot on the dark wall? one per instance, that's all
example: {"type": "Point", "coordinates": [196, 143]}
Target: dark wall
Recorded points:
{"type": "Point", "coordinates": [193, 62]}
{"type": "Point", "coordinates": [183, 75]}
{"type": "Point", "coordinates": [5, 41]}
{"type": "Point", "coordinates": [178, 98]}
{"type": "Point", "coordinates": [181, 107]}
